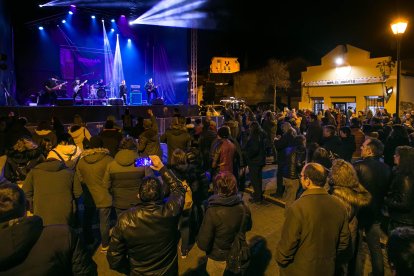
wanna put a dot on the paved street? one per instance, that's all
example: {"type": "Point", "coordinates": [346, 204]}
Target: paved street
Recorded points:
{"type": "Point", "coordinates": [267, 223]}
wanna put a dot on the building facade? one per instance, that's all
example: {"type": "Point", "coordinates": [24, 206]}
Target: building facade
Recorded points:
{"type": "Point", "coordinates": [349, 77]}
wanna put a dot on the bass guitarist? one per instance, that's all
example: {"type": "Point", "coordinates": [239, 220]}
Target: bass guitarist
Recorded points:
{"type": "Point", "coordinates": [49, 95]}
{"type": "Point", "coordinates": [151, 89]}
{"type": "Point", "coordinates": [77, 90]}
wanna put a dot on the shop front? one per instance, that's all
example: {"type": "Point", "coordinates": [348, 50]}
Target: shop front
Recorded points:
{"type": "Point", "coordinates": [349, 78]}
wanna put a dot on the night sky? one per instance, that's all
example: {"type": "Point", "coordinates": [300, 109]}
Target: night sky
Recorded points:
{"type": "Point", "coordinates": [257, 30]}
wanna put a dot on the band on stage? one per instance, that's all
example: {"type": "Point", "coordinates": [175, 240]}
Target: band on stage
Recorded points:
{"type": "Point", "coordinates": [54, 88]}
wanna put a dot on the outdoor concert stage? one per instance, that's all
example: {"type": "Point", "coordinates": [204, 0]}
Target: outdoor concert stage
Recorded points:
{"type": "Point", "coordinates": [94, 113]}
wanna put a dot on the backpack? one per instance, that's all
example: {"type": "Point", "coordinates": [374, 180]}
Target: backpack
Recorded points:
{"type": "Point", "coordinates": [238, 259]}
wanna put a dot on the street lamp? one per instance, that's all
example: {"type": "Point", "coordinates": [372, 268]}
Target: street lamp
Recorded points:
{"type": "Point", "coordinates": [398, 28]}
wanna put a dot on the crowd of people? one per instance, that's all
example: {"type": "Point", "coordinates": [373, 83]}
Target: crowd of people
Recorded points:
{"type": "Point", "coordinates": [344, 178]}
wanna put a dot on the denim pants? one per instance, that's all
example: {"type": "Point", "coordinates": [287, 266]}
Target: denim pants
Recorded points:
{"type": "Point", "coordinates": [291, 189]}
{"type": "Point", "coordinates": [104, 215]}
{"type": "Point", "coordinates": [372, 235]}
{"type": "Point", "coordinates": [255, 173]}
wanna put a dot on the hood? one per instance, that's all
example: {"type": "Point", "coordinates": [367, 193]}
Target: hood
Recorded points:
{"type": "Point", "coordinates": [42, 132]}
{"type": "Point", "coordinates": [77, 133]}
{"type": "Point", "coordinates": [126, 157]}
{"type": "Point", "coordinates": [357, 197]}
{"type": "Point", "coordinates": [219, 200]}
{"type": "Point", "coordinates": [66, 151]}
{"type": "Point", "coordinates": [92, 156]}
{"type": "Point", "coordinates": [18, 238]}
{"type": "Point", "coordinates": [178, 131]}
{"type": "Point", "coordinates": [51, 165]}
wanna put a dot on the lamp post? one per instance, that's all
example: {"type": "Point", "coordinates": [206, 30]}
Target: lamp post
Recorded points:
{"type": "Point", "coordinates": [398, 28]}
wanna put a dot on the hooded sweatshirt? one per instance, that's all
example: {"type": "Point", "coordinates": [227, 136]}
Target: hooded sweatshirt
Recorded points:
{"type": "Point", "coordinates": [29, 248]}
{"type": "Point", "coordinates": [67, 153]}
{"type": "Point", "coordinates": [177, 137]}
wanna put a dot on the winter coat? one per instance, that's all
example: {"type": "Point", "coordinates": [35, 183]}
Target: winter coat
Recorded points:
{"type": "Point", "coordinates": [90, 171]}
{"type": "Point", "coordinates": [389, 148]}
{"type": "Point", "coordinates": [221, 224]}
{"type": "Point", "coordinates": [19, 163]}
{"type": "Point", "coordinates": [149, 142]}
{"type": "Point", "coordinates": [145, 238]}
{"type": "Point", "coordinates": [255, 150]}
{"type": "Point", "coordinates": [400, 200]}
{"type": "Point", "coordinates": [206, 139]}
{"type": "Point", "coordinates": [176, 137]}
{"type": "Point", "coordinates": [347, 148]}
{"type": "Point", "coordinates": [41, 136]}
{"type": "Point", "coordinates": [375, 176]}
{"type": "Point", "coordinates": [30, 248]}
{"type": "Point", "coordinates": [222, 155]}
{"type": "Point", "coordinates": [314, 233]}
{"type": "Point", "coordinates": [314, 133]}
{"type": "Point", "coordinates": [234, 128]}
{"type": "Point", "coordinates": [50, 187]}
{"type": "Point", "coordinates": [124, 179]}
{"type": "Point", "coordinates": [332, 144]}
{"type": "Point", "coordinates": [111, 139]}
{"type": "Point", "coordinates": [78, 136]}
{"type": "Point", "coordinates": [359, 140]}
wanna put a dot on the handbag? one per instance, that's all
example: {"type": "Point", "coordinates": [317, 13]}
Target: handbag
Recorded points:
{"type": "Point", "coordinates": [238, 259]}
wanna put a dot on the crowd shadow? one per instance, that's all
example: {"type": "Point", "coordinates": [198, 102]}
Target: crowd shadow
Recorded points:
{"type": "Point", "coordinates": [260, 259]}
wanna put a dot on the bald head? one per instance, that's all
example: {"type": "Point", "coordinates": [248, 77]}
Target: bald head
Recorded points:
{"type": "Point", "coordinates": [316, 173]}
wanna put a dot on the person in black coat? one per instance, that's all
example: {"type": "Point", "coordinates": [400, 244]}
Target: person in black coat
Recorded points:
{"type": "Point", "coordinates": [330, 141]}
{"type": "Point", "coordinates": [145, 238]}
{"type": "Point", "coordinates": [30, 248]}
{"type": "Point", "coordinates": [222, 222]}
{"type": "Point", "coordinates": [348, 145]}
{"type": "Point", "coordinates": [400, 199]}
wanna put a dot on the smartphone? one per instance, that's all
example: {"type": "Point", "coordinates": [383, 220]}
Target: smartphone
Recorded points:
{"type": "Point", "coordinates": [143, 162]}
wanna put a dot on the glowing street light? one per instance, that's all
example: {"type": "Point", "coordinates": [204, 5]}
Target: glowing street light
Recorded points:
{"type": "Point", "coordinates": [398, 28]}
{"type": "Point", "coordinates": [339, 61]}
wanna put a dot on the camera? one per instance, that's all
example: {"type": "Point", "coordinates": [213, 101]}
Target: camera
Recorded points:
{"type": "Point", "coordinates": [143, 162]}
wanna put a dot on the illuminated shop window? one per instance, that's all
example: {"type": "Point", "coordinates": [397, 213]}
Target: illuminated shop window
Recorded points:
{"type": "Point", "coordinates": [374, 102]}
{"type": "Point", "coordinates": [318, 105]}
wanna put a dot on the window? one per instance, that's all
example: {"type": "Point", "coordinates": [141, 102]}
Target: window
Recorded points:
{"type": "Point", "coordinates": [374, 102]}
{"type": "Point", "coordinates": [318, 105]}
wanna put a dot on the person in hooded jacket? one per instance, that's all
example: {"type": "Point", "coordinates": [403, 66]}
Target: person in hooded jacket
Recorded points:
{"type": "Point", "coordinates": [123, 178]}
{"type": "Point", "coordinates": [28, 247]}
{"type": "Point", "coordinates": [50, 188]}
{"type": "Point", "coordinates": [144, 240]}
{"type": "Point", "coordinates": [344, 185]}
{"type": "Point", "coordinates": [79, 132]}
{"type": "Point", "coordinates": [148, 141]}
{"type": "Point", "coordinates": [90, 171]}
{"type": "Point", "coordinates": [66, 151]}
{"type": "Point", "coordinates": [222, 222]}
{"type": "Point", "coordinates": [176, 137]}
{"type": "Point", "coordinates": [111, 137]}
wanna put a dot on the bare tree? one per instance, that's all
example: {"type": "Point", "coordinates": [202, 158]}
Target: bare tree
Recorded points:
{"type": "Point", "coordinates": [275, 75]}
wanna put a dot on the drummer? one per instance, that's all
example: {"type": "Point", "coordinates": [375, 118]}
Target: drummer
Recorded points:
{"type": "Point", "coordinates": [100, 83]}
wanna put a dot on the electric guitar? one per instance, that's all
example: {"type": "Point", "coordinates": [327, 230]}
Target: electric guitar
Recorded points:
{"type": "Point", "coordinates": [79, 86]}
{"type": "Point", "coordinates": [57, 87]}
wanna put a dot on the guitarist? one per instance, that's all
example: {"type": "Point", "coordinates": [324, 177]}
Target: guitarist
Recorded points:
{"type": "Point", "coordinates": [51, 86]}
{"type": "Point", "coordinates": [151, 88]}
{"type": "Point", "coordinates": [77, 90]}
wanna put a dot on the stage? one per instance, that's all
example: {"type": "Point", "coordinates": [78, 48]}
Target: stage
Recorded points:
{"type": "Point", "coordinates": [94, 113]}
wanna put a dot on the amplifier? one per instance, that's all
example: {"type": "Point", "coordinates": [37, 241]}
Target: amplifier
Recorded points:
{"type": "Point", "coordinates": [135, 86]}
{"type": "Point", "coordinates": [135, 98]}
{"type": "Point", "coordinates": [157, 101]}
{"type": "Point", "coordinates": [116, 101]}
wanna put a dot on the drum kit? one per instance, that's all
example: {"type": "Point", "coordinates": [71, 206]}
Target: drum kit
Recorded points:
{"type": "Point", "coordinates": [98, 91]}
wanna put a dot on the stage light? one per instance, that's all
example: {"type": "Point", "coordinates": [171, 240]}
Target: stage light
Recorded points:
{"type": "Point", "coordinates": [122, 15]}
{"type": "Point", "coordinates": [112, 20]}
{"type": "Point", "coordinates": [103, 21]}
{"type": "Point", "coordinates": [129, 40]}
{"type": "Point", "coordinates": [63, 21]}
{"type": "Point", "coordinates": [93, 16]}
{"type": "Point", "coordinates": [73, 6]}
{"type": "Point", "coordinates": [70, 12]}
{"type": "Point", "coordinates": [112, 30]}
{"type": "Point", "coordinates": [40, 6]}
{"type": "Point", "coordinates": [41, 28]}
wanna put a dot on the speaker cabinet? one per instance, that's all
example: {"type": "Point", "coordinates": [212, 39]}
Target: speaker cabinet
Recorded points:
{"type": "Point", "coordinates": [158, 101]}
{"type": "Point", "coordinates": [64, 101]}
{"type": "Point", "coordinates": [116, 101]}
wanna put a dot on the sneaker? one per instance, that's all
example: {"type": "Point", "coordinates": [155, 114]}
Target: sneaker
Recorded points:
{"type": "Point", "coordinates": [104, 249]}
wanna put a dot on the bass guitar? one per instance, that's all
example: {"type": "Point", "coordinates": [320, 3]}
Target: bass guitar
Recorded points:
{"type": "Point", "coordinates": [57, 87]}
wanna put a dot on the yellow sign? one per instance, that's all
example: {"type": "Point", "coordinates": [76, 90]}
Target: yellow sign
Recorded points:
{"type": "Point", "coordinates": [224, 65]}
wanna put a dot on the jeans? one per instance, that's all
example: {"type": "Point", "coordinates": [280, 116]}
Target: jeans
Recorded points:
{"type": "Point", "coordinates": [372, 235]}
{"type": "Point", "coordinates": [185, 231]}
{"type": "Point", "coordinates": [89, 216]}
{"type": "Point", "coordinates": [105, 225]}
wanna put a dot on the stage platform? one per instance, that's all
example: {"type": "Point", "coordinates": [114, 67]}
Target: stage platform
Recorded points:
{"type": "Point", "coordinates": [94, 113]}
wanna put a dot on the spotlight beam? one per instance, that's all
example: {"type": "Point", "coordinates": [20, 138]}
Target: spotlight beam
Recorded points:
{"type": "Point", "coordinates": [178, 10]}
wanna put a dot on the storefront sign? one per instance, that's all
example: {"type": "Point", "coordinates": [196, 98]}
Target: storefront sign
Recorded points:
{"type": "Point", "coordinates": [344, 81]}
